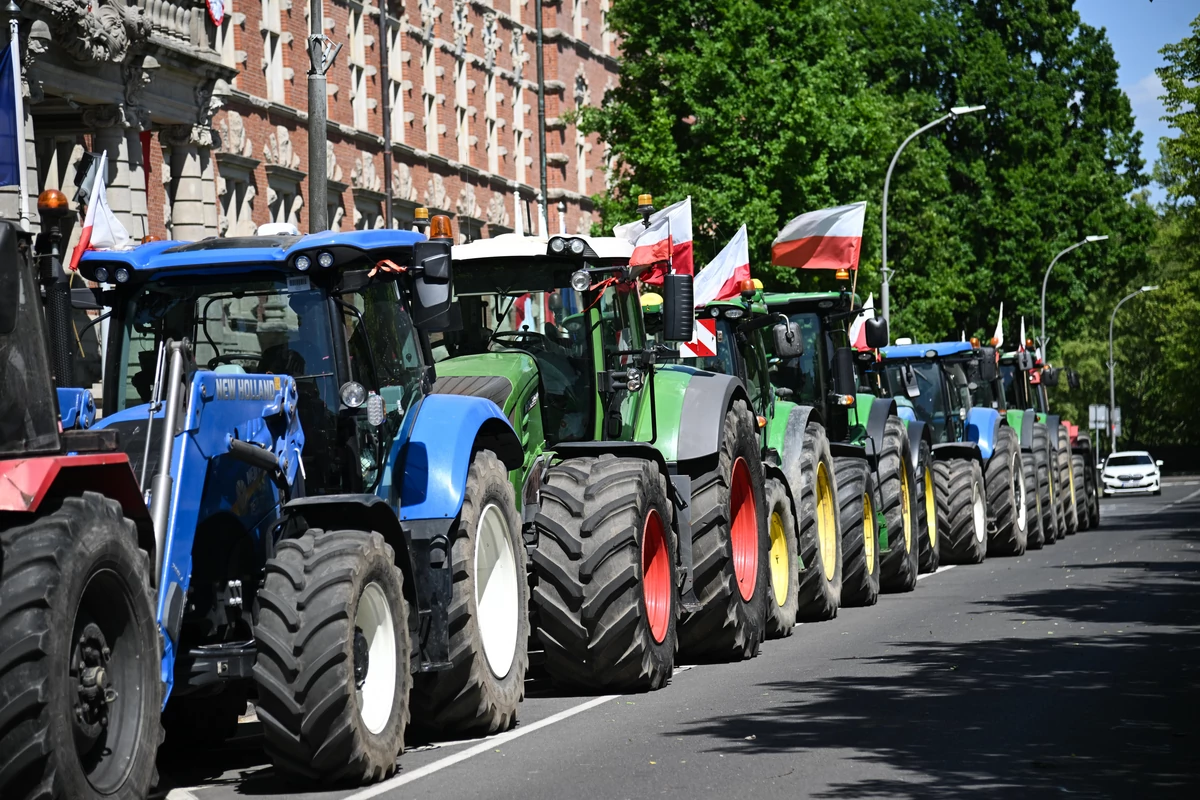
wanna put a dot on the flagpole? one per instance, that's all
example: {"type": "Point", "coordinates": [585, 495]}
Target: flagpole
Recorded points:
{"type": "Point", "coordinates": [14, 46]}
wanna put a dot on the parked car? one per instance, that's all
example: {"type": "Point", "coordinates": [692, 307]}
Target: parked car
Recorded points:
{"type": "Point", "coordinates": [1130, 471]}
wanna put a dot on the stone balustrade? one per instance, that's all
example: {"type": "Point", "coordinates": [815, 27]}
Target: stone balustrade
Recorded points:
{"type": "Point", "coordinates": [181, 22]}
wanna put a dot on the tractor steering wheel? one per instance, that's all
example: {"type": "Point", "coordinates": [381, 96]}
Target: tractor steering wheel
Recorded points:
{"type": "Point", "coordinates": [229, 358]}
{"type": "Point", "coordinates": [519, 339]}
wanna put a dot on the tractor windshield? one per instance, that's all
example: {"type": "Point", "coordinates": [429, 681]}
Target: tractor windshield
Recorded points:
{"type": "Point", "coordinates": [807, 373]}
{"type": "Point", "coordinates": [919, 384]}
{"type": "Point", "coordinates": [28, 411]}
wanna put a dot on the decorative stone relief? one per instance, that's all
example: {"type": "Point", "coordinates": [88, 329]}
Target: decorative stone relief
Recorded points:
{"type": "Point", "coordinates": [583, 94]}
{"type": "Point", "coordinates": [137, 73]}
{"type": "Point", "coordinates": [208, 101]}
{"type": "Point", "coordinates": [97, 31]}
{"type": "Point", "coordinates": [278, 149]}
{"type": "Point", "coordinates": [467, 205]}
{"type": "Point", "coordinates": [194, 135]}
{"type": "Point", "coordinates": [331, 165]}
{"type": "Point", "coordinates": [117, 115]}
{"type": "Point", "coordinates": [460, 20]}
{"type": "Point", "coordinates": [519, 56]}
{"type": "Point", "coordinates": [429, 14]}
{"type": "Point", "coordinates": [497, 211]}
{"type": "Point", "coordinates": [233, 135]}
{"type": "Point", "coordinates": [363, 175]}
{"type": "Point", "coordinates": [491, 40]}
{"type": "Point", "coordinates": [402, 183]}
{"type": "Point", "coordinates": [435, 193]}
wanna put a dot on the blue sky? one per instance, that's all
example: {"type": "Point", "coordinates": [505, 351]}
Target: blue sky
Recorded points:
{"type": "Point", "coordinates": [1138, 29]}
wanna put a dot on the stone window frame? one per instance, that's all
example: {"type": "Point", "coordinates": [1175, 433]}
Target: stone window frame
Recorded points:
{"type": "Point", "coordinates": [578, 23]}
{"type": "Point", "coordinates": [606, 37]}
{"type": "Point", "coordinates": [236, 192]}
{"type": "Point", "coordinates": [284, 198]}
{"type": "Point", "coordinates": [398, 58]}
{"type": "Point", "coordinates": [272, 28]}
{"type": "Point", "coordinates": [360, 68]}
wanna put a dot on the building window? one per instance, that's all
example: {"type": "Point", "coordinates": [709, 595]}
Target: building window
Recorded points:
{"type": "Point", "coordinates": [429, 92]}
{"type": "Point", "coordinates": [396, 82]}
{"type": "Point", "coordinates": [285, 204]}
{"type": "Point", "coordinates": [272, 63]}
{"type": "Point", "coordinates": [583, 97]}
{"type": "Point", "coordinates": [605, 36]}
{"type": "Point", "coordinates": [578, 22]}
{"type": "Point", "coordinates": [236, 207]}
{"type": "Point", "coordinates": [514, 10]}
{"type": "Point", "coordinates": [462, 131]}
{"type": "Point", "coordinates": [519, 130]}
{"type": "Point", "coordinates": [493, 125]}
{"type": "Point", "coordinates": [359, 102]}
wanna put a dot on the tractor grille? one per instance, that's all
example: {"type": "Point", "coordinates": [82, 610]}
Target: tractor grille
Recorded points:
{"type": "Point", "coordinates": [492, 387]}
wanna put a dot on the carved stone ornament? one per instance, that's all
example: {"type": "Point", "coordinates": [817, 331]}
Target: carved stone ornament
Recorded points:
{"type": "Point", "coordinates": [137, 73]}
{"type": "Point", "coordinates": [363, 176]}
{"type": "Point", "coordinates": [234, 139]}
{"type": "Point", "coordinates": [187, 135]}
{"type": "Point", "coordinates": [519, 56]}
{"type": "Point", "coordinates": [278, 149]}
{"type": "Point", "coordinates": [497, 211]}
{"type": "Point", "coordinates": [491, 39]}
{"type": "Point", "coordinates": [402, 183]}
{"type": "Point", "coordinates": [332, 168]}
{"type": "Point", "coordinates": [467, 205]}
{"type": "Point", "coordinates": [460, 20]}
{"type": "Point", "coordinates": [117, 115]}
{"type": "Point", "coordinates": [435, 193]}
{"type": "Point", "coordinates": [97, 31]}
{"type": "Point", "coordinates": [583, 94]}
{"type": "Point", "coordinates": [429, 14]}
{"type": "Point", "coordinates": [208, 101]}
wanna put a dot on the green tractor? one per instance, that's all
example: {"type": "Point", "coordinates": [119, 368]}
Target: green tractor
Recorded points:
{"type": "Point", "coordinates": [882, 465]}
{"type": "Point", "coordinates": [640, 489]}
{"type": "Point", "coordinates": [805, 554]}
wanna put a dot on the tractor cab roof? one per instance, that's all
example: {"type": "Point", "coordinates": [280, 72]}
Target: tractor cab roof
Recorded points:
{"type": "Point", "coordinates": [515, 264]}
{"type": "Point", "coordinates": [738, 307]}
{"type": "Point", "coordinates": [921, 351]}
{"type": "Point", "coordinates": [808, 301]}
{"type": "Point", "coordinates": [216, 256]}
{"type": "Point", "coordinates": [604, 249]}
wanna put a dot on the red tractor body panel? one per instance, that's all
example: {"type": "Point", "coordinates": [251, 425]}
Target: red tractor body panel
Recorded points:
{"type": "Point", "coordinates": [26, 482]}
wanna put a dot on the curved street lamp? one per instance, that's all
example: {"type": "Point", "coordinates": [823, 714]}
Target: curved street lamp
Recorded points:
{"type": "Point", "coordinates": [1112, 383]}
{"type": "Point", "coordinates": [1046, 279]}
{"type": "Point", "coordinates": [954, 113]}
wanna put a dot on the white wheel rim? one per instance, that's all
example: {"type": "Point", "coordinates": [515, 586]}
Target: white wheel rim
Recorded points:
{"type": "Point", "coordinates": [377, 692]}
{"type": "Point", "coordinates": [497, 590]}
{"type": "Point", "coordinates": [979, 512]}
{"type": "Point", "coordinates": [1019, 492]}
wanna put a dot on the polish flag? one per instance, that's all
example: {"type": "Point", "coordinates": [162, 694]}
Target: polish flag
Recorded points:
{"type": "Point", "coordinates": [101, 228]}
{"type": "Point", "coordinates": [524, 312]}
{"type": "Point", "coordinates": [1021, 341]}
{"type": "Point", "coordinates": [827, 239]}
{"type": "Point", "coordinates": [999, 334]}
{"type": "Point", "coordinates": [723, 276]}
{"type": "Point", "coordinates": [668, 235]}
{"type": "Point", "coordinates": [858, 328]}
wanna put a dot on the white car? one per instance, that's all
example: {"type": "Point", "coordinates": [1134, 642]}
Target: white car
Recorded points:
{"type": "Point", "coordinates": [1131, 471]}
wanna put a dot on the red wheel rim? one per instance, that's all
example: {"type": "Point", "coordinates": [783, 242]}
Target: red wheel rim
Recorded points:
{"type": "Point", "coordinates": [656, 576]}
{"type": "Point", "coordinates": [743, 529]}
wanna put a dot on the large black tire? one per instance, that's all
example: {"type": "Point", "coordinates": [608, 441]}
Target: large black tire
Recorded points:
{"type": "Point", "coordinates": [1005, 482]}
{"type": "Point", "coordinates": [1042, 460]}
{"type": "Point", "coordinates": [73, 584]}
{"type": "Point", "coordinates": [963, 500]}
{"type": "Point", "coordinates": [1082, 506]}
{"type": "Point", "coordinates": [820, 579]}
{"type": "Point", "coordinates": [1034, 539]}
{"type": "Point", "coordinates": [726, 512]}
{"type": "Point", "coordinates": [858, 504]}
{"type": "Point", "coordinates": [333, 703]}
{"type": "Point", "coordinates": [1066, 482]}
{"type": "Point", "coordinates": [590, 594]}
{"type": "Point", "coordinates": [928, 522]}
{"type": "Point", "coordinates": [477, 696]}
{"type": "Point", "coordinates": [899, 564]}
{"type": "Point", "coordinates": [784, 561]}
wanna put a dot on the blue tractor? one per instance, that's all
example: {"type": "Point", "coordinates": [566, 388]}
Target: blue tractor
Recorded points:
{"type": "Point", "coordinates": [321, 534]}
{"type": "Point", "coordinates": [979, 480]}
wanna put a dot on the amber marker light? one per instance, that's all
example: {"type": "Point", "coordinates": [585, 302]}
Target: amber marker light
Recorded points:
{"type": "Point", "coordinates": [975, 342]}
{"type": "Point", "coordinates": [842, 274]}
{"type": "Point", "coordinates": [52, 201]}
{"type": "Point", "coordinates": [440, 228]}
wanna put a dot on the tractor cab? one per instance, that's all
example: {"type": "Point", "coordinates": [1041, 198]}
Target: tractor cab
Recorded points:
{"type": "Point", "coordinates": [930, 382]}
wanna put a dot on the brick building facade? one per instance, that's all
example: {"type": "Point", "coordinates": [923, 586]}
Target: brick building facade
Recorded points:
{"type": "Point", "coordinates": [207, 129]}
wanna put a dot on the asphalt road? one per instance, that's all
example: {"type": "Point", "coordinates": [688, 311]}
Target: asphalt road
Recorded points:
{"type": "Point", "coordinates": [1074, 670]}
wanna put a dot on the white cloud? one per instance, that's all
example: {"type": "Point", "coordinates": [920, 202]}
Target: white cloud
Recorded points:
{"type": "Point", "coordinates": [1144, 97]}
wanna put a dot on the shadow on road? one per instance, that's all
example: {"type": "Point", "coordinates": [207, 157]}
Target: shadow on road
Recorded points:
{"type": "Point", "coordinates": [1097, 694]}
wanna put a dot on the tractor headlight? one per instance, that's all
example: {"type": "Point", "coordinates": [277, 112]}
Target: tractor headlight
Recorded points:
{"type": "Point", "coordinates": [353, 394]}
{"type": "Point", "coordinates": [375, 410]}
{"type": "Point", "coordinates": [633, 379]}
{"type": "Point", "coordinates": [122, 275]}
{"type": "Point", "coordinates": [101, 274]}
{"type": "Point", "coordinates": [581, 280]}
{"type": "Point", "coordinates": [303, 263]}
{"type": "Point", "coordinates": [325, 259]}
{"type": "Point", "coordinates": [558, 245]}
{"type": "Point", "coordinates": [577, 247]}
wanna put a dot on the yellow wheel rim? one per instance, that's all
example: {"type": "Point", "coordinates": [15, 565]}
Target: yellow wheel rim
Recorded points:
{"type": "Point", "coordinates": [780, 574]}
{"type": "Point", "coordinates": [1071, 475]}
{"type": "Point", "coordinates": [930, 508]}
{"type": "Point", "coordinates": [869, 533]}
{"type": "Point", "coordinates": [905, 510]}
{"type": "Point", "coordinates": [826, 529]}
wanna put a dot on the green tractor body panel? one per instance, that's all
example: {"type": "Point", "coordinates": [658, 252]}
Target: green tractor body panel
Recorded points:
{"type": "Point", "coordinates": [671, 383]}
{"type": "Point", "coordinates": [1016, 419]}
{"type": "Point", "coordinates": [775, 435]}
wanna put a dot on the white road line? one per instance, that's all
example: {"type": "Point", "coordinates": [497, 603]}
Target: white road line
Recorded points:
{"type": "Point", "coordinates": [181, 794]}
{"type": "Point", "coordinates": [1177, 502]}
{"type": "Point", "coordinates": [939, 569]}
{"type": "Point", "coordinates": [485, 746]}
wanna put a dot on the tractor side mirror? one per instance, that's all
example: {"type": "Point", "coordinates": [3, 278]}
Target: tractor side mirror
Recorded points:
{"type": "Point", "coordinates": [1024, 360]}
{"type": "Point", "coordinates": [10, 278]}
{"type": "Point", "coordinates": [877, 333]}
{"type": "Point", "coordinates": [1050, 377]}
{"type": "Point", "coordinates": [1072, 379]}
{"type": "Point", "coordinates": [843, 378]}
{"type": "Point", "coordinates": [910, 381]}
{"type": "Point", "coordinates": [788, 341]}
{"type": "Point", "coordinates": [679, 313]}
{"type": "Point", "coordinates": [431, 267]}
{"type": "Point", "coordinates": [987, 365]}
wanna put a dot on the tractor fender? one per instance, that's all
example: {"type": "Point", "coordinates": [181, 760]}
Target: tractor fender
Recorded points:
{"type": "Point", "coordinates": [983, 428]}
{"type": "Point", "coordinates": [949, 450]}
{"type": "Point", "coordinates": [791, 445]}
{"type": "Point", "coordinates": [1052, 423]}
{"type": "Point", "coordinates": [435, 458]}
{"type": "Point", "coordinates": [918, 432]}
{"type": "Point", "coordinates": [881, 409]}
{"type": "Point", "coordinates": [707, 397]}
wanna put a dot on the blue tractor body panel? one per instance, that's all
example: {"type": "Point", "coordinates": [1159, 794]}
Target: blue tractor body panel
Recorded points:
{"type": "Point", "coordinates": [923, 350]}
{"type": "Point", "coordinates": [983, 428]}
{"type": "Point", "coordinates": [76, 408]}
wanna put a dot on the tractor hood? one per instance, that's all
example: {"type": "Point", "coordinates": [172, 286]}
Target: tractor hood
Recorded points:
{"type": "Point", "coordinates": [502, 377]}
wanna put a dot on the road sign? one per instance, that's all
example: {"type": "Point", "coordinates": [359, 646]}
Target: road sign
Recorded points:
{"type": "Point", "coordinates": [1097, 416]}
{"type": "Point", "coordinates": [1117, 421]}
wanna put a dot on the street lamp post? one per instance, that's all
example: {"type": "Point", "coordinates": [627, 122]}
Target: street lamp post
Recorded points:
{"type": "Point", "coordinates": [954, 113]}
{"type": "Point", "coordinates": [1046, 279]}
{"type": "Point", "coordinates": [1112, 382]}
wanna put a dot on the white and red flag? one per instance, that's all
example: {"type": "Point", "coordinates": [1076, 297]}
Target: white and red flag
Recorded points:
{"type": "Point", "coordinates": [669, 235]}
{"type": "Point", "coordinates": [704, 340]}
{"type": "Point", "coordinates": [1021, 341]}
{"type": "Point", "coordinates": [999, 334]}
{"type": "Point", "coordinates": [858, 328]}
{"type": "Point", "coordinates": [827, 239]}
{"type": "Point", "coordinates": [723, 276]}
{"type": "Point", "coordinates": [523, 319]}
{"type": "Point", "coordinates": [101, 228]}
